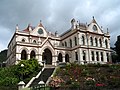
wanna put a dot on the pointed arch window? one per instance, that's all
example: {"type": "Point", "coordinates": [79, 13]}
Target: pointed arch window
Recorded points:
{"type": "Point", "coordinates": [66, 58]}
{"type": "Point", "coordinates": [32, 54]}
{"type": "Point", "coordinates": [60, 58]}
{"type": "Point", "coordinates": [23, 55]}
{"type": "Point", "coordinates": [83, 40]}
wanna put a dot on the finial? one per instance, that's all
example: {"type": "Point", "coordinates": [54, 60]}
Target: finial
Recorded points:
{"type": "Point", "coordinates": [40, 21]}
{"type": "Point", "coordinates": [17, 27]}
{"type": "Point", "coordinates": [29, 27]}
{"type": "Point", "coordinates": [107, 31]}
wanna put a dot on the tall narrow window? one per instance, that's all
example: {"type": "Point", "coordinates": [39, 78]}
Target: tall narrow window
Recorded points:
{"type": "Point", "coordinates": [70, 43]}
{"type": "Point", "coordinates": [84, 56]}
{"type": "Point", "coordinates": [75, 41]}
{"type": "Point", "coordinates": [102, 56]}
{"type": "Point", "coordinates": [91, 41]}
{"type": "Point", "coordinates": [106, 43]}
{"type": "Point", "coordinates": [65, 44]}
{"type": "Point", "coordinates": [24, 55]}
{"type": "Point", "coordinates": [97, 56]}
{"type": "Point", "coordinates": [92, 55]}
{"type": "Point", "coordinates": [76, 56]}
{"type": "Point", "coordinates": [32, 54]}
{"type": "Point", "coordinates": [96, 42]}
{"type": "Point", "coordinates": [83, 40]}
{"type": "Point", "coordinates": [100, 42]}
{"type": "Point", "coordinates": [107, 54]}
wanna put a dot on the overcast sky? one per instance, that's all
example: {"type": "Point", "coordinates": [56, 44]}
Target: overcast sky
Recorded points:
{"type": "Point", "coordinates": [56, 15]}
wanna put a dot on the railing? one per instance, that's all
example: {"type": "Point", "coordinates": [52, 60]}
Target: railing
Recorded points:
{"type": "Point", "coordinates": [30, 82]}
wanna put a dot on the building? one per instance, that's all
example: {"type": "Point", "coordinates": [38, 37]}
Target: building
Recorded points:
{"type": "Point", "coordinates": [82, 43]}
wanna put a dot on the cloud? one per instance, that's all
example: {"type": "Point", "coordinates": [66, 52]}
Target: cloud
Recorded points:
{"type": "Point", "coordinates": [56, 14]}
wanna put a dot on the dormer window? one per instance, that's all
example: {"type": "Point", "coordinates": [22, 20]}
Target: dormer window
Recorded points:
{"type": "Point", "coordinates": [94, 27]}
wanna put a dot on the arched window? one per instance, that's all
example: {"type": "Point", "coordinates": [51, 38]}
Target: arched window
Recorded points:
{"type": "Point", "coordinates": [23, 55]}
{"type": "Point", "coordinates": [62, 44]}
{"type": "Point", "coordinates": [100, 42]}
{"type": "Point", "coordinates": [34, 41]}
{"type": "Point", "coordinates": [32, 54]}
{"type": "Point", "coordinates": [76, 56]}
{"type": "Point", "coordinates": [102, 56]}
{"type": "Point", "coordinates": [91, 41]}
{"type": "Point", "coordinates": [65, 44]}
{"type": "Point", "coordinates": [70, 43]}
{"type": "Point", "coordinates": [97, 56]}
{"type": "Point", "coordinates": [66, 58]}
{"type": "Point", "coordinates": [106, 43]}
{"type": "Point", "coordinates": [84, 56]}
{"type": "Point", "coordinates": [60, 58]}
{"type": "Point", "coordinates": [96, 42]}
{"type": "Point", "coordinates": [107, 54]}
{"type": "Point", "coordinates": [92, 55]}
{"type": "Point", "coordinates": [75, 41]}
{"type": "Point", "coordinates": [23, 40]}
{"type": "Point", "coordinates": [83, 40]}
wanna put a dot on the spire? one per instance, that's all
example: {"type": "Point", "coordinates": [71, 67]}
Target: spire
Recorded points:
{"type": "Point", "coordinates": [17, 28]}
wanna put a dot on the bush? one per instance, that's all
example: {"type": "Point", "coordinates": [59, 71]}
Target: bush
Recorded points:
{"type": "Point", "coordinates": [10, 76]}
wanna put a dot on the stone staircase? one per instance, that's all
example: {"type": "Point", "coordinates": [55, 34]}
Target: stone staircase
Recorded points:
{"type": "Point", "coordinates": [45, 74]}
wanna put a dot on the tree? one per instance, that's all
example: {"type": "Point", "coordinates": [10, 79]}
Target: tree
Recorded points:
{"type": "Point", "coordinates": [117, 47]}
{"type": "Point", "coordinates": [3, 55]}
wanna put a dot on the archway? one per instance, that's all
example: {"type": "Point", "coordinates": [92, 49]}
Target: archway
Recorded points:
{"type": "Point", "coordinates": [23, 55]}
{"type": "Point", "coordinates": [66, 58]}
{"type": "Point", "coordinates": [47, 56]}
{"type": "Point", "coordinates": [60, 58]}
{"type": "Point", "coordinates": [32, 54]}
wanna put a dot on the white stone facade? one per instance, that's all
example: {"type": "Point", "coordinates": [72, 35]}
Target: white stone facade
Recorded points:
{"type": "Point", "coordinates": [82, 43]}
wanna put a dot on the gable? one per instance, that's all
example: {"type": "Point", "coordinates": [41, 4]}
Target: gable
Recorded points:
{"type": "Point", "coordinates": [94, 27]}
{"type": "Point", "coordinates": [39, 31]}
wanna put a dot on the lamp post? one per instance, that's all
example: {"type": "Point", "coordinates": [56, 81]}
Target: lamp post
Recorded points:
{"type": "Point", "coordinates": [22, 65]}
{"type": "Point", "coordinates": [21, 84]}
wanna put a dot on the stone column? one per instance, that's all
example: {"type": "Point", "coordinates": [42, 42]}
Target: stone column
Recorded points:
{"type": "Point", "coordinates": [99, 55]}
{"type": "Point", "coordinates": [104, 56]}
